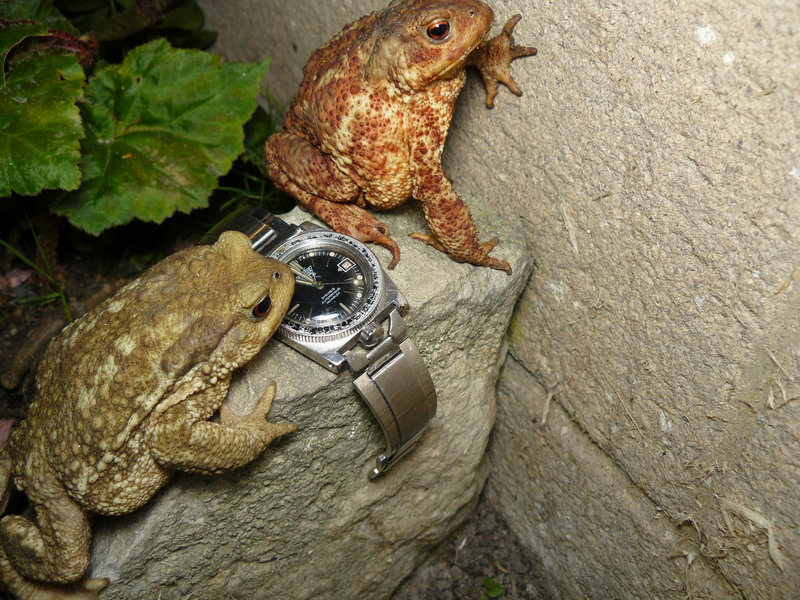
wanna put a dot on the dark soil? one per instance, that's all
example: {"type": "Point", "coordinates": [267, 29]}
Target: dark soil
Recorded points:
{"type": "Point", "coordinates": [482, 559]}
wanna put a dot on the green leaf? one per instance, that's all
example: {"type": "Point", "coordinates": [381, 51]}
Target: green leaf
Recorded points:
{"type": "Point", "coordinates": [492, 588]}
{"type": "Point", "coordinates": [160, 129]}
{"type": "Point", "coordinates": [256, 131]}
{"type": "Point", "coordinates": [121, 25]}
{"type": "Point", "coordinates": [38, 10]}
{"type": "Point", "coordinates": [40, 125]}
{"type": "Point", "coordinates": [77, 6]}
{"type": "Point", "coordinates": [188, 16]}
{"type": "Point", "coordinates": [201, 39]}
{"type": "Point", "coordinates": [12, 34]}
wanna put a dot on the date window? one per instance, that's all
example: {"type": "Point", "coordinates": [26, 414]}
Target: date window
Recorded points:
{"type": "Point", "coordinates": [346, 265]}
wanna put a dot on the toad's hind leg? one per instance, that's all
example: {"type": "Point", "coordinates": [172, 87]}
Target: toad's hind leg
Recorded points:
{"type": "Point", "coordinates": [318, 185]}
{"type": "Point", "coordinates": [48, 561]}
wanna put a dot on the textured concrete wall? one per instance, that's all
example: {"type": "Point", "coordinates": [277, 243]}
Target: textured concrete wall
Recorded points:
{"type": "Point", "coordinates": [648, 427]}
{"type": "Point", "coordinates": [662, 182]}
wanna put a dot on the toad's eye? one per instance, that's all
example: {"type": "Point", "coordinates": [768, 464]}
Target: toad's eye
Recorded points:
{"type": "Point", "coordinates": [438, 30]}
{"type": "Point", "coordinates": [261, 309]}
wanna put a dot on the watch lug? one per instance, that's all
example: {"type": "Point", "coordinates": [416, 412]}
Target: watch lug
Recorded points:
{"type": "Point", "coordinates": [397, 326]}
{"type": "Point", "coordinates": [400, 300]}
{"type": "Point", "coordinates": [309, 226]}
{"type": "Point", "coordinates": [394, 296]}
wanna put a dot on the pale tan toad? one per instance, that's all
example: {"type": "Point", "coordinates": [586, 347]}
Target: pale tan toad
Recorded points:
{"type": "Point", "coordinates": [125, 398]}
{"type": "Point", "coordinates": [369, 121]}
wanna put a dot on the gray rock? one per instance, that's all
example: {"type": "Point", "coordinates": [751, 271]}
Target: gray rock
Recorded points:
{"type": "Point", "coordinates": [303, 521]}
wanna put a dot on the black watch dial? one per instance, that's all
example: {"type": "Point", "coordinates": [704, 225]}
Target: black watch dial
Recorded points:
{"type": "Point", "coordinates": [331, 286]}
{"type": "Point", "coordinates": [339, 286]}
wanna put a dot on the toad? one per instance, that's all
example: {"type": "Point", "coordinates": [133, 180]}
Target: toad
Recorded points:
{"type": "Point", "coordinates": [368, 124]}
{"type": "Point", "coordinates": [125, 398]}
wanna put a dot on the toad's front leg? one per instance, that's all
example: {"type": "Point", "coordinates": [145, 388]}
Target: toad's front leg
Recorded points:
{"type": "Point", "coordinates": [493, 59]}
{"type": "Point", "coordinates": [184, 439]}
{"type": "Point", "coordinates": [452, 228]}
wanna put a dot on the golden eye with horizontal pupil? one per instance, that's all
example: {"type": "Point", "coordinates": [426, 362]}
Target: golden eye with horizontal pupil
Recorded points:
{"type": "Point", "coordinates": [261, 309]}
{"type": "Point", "coordinates": [438, 30]}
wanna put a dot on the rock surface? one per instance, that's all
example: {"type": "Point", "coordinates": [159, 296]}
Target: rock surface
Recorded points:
{"type": "Point", "coordinates": [303, 521]}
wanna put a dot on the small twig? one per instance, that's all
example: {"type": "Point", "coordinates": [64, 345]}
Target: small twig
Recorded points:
{"type": "Point", "coordinates": [625, 408]}
{"type": "Point", "coordinates": [459, 549]}
{"type": "Point", "coordinates": [550, 395]}
{"type": "Point", "coordinates": [759, 520]}
{"type": "Point", "coordinates": [787, 282]}
{"type": "Point", "coordinates": [778, 364]}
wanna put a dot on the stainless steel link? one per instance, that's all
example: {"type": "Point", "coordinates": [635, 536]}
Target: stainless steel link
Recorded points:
{"type": "Point", "coordinates": [398, 388]}
{"type": "Point", "coordinates": [262, 227]}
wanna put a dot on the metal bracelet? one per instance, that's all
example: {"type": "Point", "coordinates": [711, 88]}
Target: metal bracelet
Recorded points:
{"type": "Point", "coordinates": [395, 384]}
{"type": "Point", "coordinates": [262, 227]}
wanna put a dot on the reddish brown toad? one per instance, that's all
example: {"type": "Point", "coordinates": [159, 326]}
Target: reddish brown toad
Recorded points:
{"type": "Point", "coordinates": [369, 122]}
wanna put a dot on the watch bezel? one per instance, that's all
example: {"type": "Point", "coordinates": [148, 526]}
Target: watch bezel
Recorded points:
{"type": "Point", "coordinates": [323, 239]}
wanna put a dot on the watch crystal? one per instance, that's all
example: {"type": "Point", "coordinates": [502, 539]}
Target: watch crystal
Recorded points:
{"type": "Point", "coordinates": [336, 284]}
{"type": "Point", "coordinates": [329, 288]}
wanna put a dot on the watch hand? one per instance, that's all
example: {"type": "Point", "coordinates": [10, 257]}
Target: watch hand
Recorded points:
{"type": "Point", "coordinates": [301, 277]}
{"type": "Point", "coordinates": [304, 281]}
{"type": "Point", "coordinates": [337, 282]}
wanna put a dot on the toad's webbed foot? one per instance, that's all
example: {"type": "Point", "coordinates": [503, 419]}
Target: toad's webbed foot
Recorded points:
{"type": "Point", "coordinates": [86, 589]}
{"type": "Point", "coordinates": [257, 418]}
{"type": "Point", "coordinates": [493, 59]}
{"type": "Point", "coordinates": [478, 256]}
{"type": "Point", "coordinates": [370, 233]}
{"type": "Point", "coordinates": [356, 222]}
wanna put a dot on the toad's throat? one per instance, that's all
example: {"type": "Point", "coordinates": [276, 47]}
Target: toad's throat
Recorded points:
{"type": "Point", "coordinates": [461, 59]}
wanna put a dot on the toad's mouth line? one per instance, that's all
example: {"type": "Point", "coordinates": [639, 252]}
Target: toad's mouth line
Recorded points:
{"type": "Point", "coordinates": [465, 54]}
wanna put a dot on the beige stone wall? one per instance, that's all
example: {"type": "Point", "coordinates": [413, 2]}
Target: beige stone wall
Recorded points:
{"type": "Point", "coordinates": [663, 178]}
{"type": "Point", "coordinates": [648, 432]}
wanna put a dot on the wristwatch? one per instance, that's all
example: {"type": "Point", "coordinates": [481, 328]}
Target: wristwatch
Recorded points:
{"type": "Point", "coordinates": [347, 313]}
